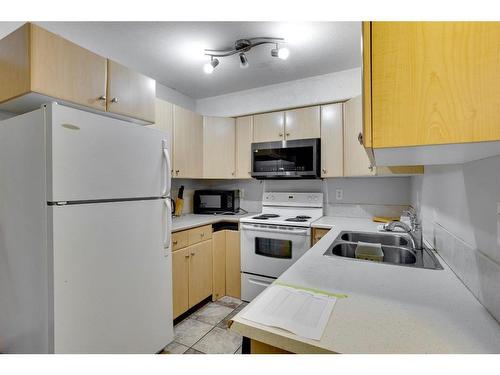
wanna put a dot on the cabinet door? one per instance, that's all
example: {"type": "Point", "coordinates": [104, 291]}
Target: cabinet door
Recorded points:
{"type": "Point", "coordinates": [130, 93]}
{"type": "Point", "coordinates": [268, 127]}
{"type": "Point", "coordinates": [233, 264]}
{"type": "Point", "coordinates": [180, 281]}
{"type": "Point", "coordinates": [318, 234]}
{"type": "Point", "coordinates": [219, 264]}
{"type": "Point", "coordinates": [302, 123]}
{"type": "Point", "coordinates": [200, 272]}
{"type": "Point", "coordinates": [435, 83]}
{"type": "Point", "coordinates": [188, 144]}
{"type": "Point", "coordinates": [356, 161]}
{"type": "Point", "coordinates": [244, 138]}
{"type": "Point", "coordinates": [63, 70]}
{"type": "Point", "coordinates": [331, 140]}
{"type": "Point", "coordinates": [218, 147]}
{"type": "Point", "coordinates": [164, 120]}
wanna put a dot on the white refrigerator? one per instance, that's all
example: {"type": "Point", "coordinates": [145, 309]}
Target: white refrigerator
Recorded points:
{"type": "Point", "coordinates": [85, 258]}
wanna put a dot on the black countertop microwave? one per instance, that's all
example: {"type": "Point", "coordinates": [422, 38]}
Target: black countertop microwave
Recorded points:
{"type": "Point", "coordinates": [216, 201]}
{"type": "Point", "coordinates": [287, 160]}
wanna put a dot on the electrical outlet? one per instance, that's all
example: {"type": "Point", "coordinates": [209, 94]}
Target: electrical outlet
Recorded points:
{"type": "Point", "coordinates": [339, 194]}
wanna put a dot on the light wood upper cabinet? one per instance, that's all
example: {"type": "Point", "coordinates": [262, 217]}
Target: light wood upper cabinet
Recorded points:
{"type": "Point", "coordinates": [35, 60]}
{"type": "Point", "coordinates": [37, 66]}
{"type": "Point", "coordinates": [180, 281]}
{"type": "Point", "coordinates": [434, 83]}
{"type": "Point", "coordinates": [302, 123]}
{"type": "Point", "coordinates": [219, 147]}
{"type": "Point", "coordinates": [200, 272]}
{"type": "Point", "coordinates": [331, 140]}
{"type": "Point", "coordinates": [269, 127]}
{"type": "Point", "coordinates": [164, 120]}
{"type": "Point", "coordinates": [188, 144]}
{"type": "Point", "coordinates": [130, 93]}
{"type": "Point", "coordinates": [244, 139]}
{"type": "Point", "coordinates": [356, 161]}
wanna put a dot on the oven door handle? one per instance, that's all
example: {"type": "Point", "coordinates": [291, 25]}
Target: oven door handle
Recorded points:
{"type": "Point", "coordinates": [271, 230]}
{"type": "Point", "coordinates": [259, 282]}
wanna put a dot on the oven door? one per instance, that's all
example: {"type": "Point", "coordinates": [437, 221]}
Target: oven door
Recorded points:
{"type": "Point", "coordinates": [291, 159]}
{"type": "Point", "coordinates": [268, 250]}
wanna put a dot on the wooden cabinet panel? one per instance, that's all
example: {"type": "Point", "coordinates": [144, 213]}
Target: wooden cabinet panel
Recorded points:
{"type": "Point", "coordinates": [331, 140]}
{"type": "Point", "coordinates": [180, 281]}
{"type": "Point", "coordinates": [200, 272]}
{"type": "Point", "coordinates": [367, 86]}
{"type": "Point", "coordinates": [244, 139]}
{"type": "Point", "coordinates": [356, 161]}
{"type": "Point", "coordinates": [164, 120]}
{"type": "Point", "coordinates": [434, 82]}
{"type": "Point", "coordinates": [188, 144]}
{"type": "Point", "coordinates": [219, 264]}
{"type": "Point", "coordinates": [64, 70]}
{"type": "Point", "coordinates": [233, 264]}
{"type": "Point", "coordinates": [268, 127]}
{"type": "Point", "coordinates": [15, 63]}
{"type": "Point", "coordinates": [302, 123]}
{"type": "Point", "coordinates": [318, 234]}
{"type": "Point", "coordinates": [219, 147]}
{"type": "Point", "coordinates": [199, 234]}
{"type": "Point", "coordinates": [130, 93]}
{"type": "Point", "coordinates": [179, 240]}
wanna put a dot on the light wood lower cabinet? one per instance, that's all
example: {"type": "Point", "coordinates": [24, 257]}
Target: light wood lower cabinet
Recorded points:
{"type": "Point", "coordinates": [200, 272]}
{"type": "Point", "coordinates": [226, 252]}
{"type": "Point", "coordinates": [192, 268]}
{"type": "Point", "coordinates": [318, 234]}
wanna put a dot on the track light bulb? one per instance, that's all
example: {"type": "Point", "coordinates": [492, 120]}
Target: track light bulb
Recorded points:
{"type": "Point", "coordinates": [243, 60]}
{"type": "Point", "coordinates": [283, 53]}
{"type": "Point", "coordinates": [208, 68]}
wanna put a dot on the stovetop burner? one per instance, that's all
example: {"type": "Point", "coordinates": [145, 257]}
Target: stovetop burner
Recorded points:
{"type": "Point", "coordinates": [265, 216]}
{"type": "Point", "coordinates": [297, 219]}
{"type": "Point", "coordinates": [302, 217]}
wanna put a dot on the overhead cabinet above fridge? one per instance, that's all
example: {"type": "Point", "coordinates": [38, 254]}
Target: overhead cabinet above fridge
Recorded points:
{"type": "Point", "coordinates": [38, 67]}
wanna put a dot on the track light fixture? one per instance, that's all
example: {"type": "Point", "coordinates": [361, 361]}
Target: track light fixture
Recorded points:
{"type": "Point", "coordinates": [241, 46]}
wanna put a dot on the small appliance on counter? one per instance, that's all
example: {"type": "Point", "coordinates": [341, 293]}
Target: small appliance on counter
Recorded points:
{"type": "Point", "coordinates": [216, 201]}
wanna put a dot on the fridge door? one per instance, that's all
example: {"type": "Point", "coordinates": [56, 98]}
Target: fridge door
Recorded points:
{"type": "Point", "coordinates": [112, 277]}
{"type": "Point", "coordinates": [94, 157]}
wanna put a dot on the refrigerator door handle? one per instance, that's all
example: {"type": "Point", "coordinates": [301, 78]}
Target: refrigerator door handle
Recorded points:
{"type": "Point", "coordinates": [168, 176]}
{"type": "Point", "coordinates": [168, 227]}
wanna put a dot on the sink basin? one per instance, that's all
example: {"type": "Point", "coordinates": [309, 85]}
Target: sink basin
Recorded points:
{"type": "Point", "coordinates": [392, 254]}
{"type": "Point", "coordinates": [381, 238]}
{"type": "Point", "coordinates": [397, 248]}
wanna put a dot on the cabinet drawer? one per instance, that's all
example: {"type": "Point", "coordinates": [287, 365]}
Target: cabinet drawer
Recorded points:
{"type": "Point", "coordinates": [179, 240]}
{"type": "Point", "coordinates": [199, 234]}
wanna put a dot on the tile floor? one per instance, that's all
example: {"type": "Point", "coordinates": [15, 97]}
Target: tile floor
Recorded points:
{"type": "Point", "coordinates": [205, 331]}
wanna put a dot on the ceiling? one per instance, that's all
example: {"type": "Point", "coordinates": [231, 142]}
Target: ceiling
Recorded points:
{"type": "Point", "coordinates": [173, 52]}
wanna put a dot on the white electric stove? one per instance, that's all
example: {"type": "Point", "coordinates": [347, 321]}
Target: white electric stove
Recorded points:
{"type": "Point", "coordinates": [274, 239]}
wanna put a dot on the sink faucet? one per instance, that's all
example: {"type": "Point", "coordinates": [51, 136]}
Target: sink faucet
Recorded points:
{"type": "Point", "coordinates": [415, 231]}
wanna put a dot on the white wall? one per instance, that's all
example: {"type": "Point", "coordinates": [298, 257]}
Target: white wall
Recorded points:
{"type": "Point", "coordinates": [326, 88]}
{"type": "Point", "coordinates": [459, 207]}
{"type": "Point", "coordinates": [175, 97]}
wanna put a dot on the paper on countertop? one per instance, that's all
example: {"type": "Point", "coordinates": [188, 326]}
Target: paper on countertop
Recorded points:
{"type": "Point", "coordinates": [302, 312]}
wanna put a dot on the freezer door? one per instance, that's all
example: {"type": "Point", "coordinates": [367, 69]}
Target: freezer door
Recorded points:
{"type": "Point", "coordinates": [92, 157]}
{"type": "Point", "coordinates": [112, 278]}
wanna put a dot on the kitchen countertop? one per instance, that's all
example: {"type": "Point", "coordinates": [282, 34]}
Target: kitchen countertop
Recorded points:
{"type": "Point", "coordinates": [389, 309]}
{"type": "Point", "coordinates": [188, 221]}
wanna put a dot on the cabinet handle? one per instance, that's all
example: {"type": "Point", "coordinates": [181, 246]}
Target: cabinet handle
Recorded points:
{"type": "Point", "coordinates": [114, 100]}
{"type": "Point", "coordinates": [193, 254]}
{"type": "Point", "coordinates": [360, 138]}
{"type": "Point", "coordinates": [287, 134]}
{"type": "Point", "coordinates": [174, 242]}
{"type": "Point", "coordinates": [203, 234]}
{"type": "Point", "coordinates": [233, 173]}
{"type": "Point", "coordinates": [281, 134]}
{"type": "Point", "coordinates": [102, 98]}
{"type": "Point", "coordinates": [177, 172]}
{"type": "Point", "coordinates": [324, 170]}
{"type": "Point", "coordinates": [186, 256]}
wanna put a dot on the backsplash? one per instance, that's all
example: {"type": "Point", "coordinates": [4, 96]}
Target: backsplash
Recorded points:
{"type": "Point", "coordinates": [362, 197]}
{"type": "Point", "coordinates": [459, 207]}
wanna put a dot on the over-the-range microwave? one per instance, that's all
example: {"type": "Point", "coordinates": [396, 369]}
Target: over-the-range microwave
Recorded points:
{"type": "Point", "coordinates": [287, 160]}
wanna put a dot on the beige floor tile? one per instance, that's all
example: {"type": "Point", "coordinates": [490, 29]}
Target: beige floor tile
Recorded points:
{"type": "Point", "coordinates": [219, 341]}
{"type": "Point", "coordinates": [192, 351]}
{"type": "Point", "coordinates": [229, 302]}
{"type": "Point", "coordinates": [174, 348]}
{"type": "Point", "coordinates": [212, 313]}
{"type": "Point", "coordinates": [190, 330]}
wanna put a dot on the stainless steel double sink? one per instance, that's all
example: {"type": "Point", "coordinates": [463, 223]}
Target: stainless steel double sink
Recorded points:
{"type": "Point", "coordinates": [398, 249]}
